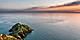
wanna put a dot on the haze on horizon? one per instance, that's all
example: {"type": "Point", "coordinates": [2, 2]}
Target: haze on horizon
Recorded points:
{"type": "Point", "coordinates": [22, 4]}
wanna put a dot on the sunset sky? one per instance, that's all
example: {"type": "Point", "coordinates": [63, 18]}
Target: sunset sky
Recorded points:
{"type": "Point", "coordinates": [20, 4]}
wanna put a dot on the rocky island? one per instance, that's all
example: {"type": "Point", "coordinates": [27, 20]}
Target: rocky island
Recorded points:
{"type": "Point", "coordinates": [17, 32]}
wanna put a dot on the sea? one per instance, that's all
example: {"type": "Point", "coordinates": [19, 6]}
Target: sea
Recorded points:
{"type": "Point", "coordinates": [46, 26]}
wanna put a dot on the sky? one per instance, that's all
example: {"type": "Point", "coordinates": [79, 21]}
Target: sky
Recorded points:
{"type": "Point", "coordinates": [22, 4]}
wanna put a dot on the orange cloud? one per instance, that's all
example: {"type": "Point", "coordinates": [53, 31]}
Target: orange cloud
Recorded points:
{"type": "Point", "coordinates": [74, 7]}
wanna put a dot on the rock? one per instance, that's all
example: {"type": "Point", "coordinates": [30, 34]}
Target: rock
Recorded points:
{"type": "Point", "coordinates": [17, 32]}
{"type": "Point", "coordinates": [7, 37]}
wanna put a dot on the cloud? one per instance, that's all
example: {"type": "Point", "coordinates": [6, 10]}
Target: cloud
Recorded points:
{"type": "Point", "coordinates": [20, 4]}
{"type": "Point", "coordinates": [14, 5]}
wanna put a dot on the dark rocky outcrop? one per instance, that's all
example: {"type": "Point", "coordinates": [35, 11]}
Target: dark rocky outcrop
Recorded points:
{"type": "Point", "coordinates": [17, 32]}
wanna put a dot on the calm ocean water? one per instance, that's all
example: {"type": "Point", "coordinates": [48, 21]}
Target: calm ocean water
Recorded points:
{"type": "Point", "coordinates": [47, 26]}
